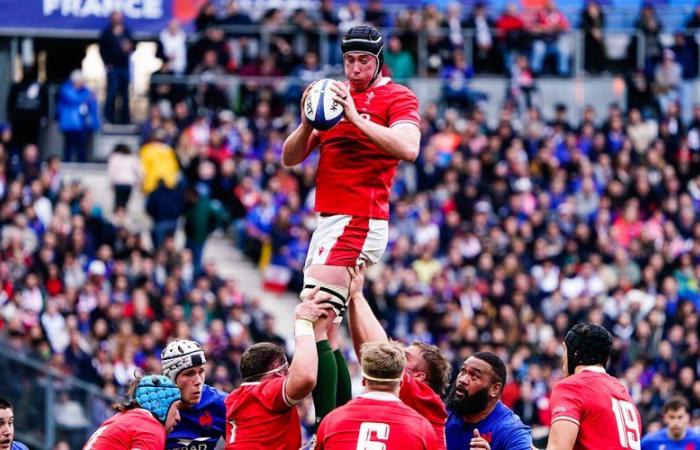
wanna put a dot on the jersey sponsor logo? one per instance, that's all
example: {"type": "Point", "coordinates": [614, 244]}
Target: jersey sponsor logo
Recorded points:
{"type": "Point", "coordinates": [559, 409]}
{"type": "Point", "coordinates": [200, 443]}
{"type": "Point", "coordinates": [206, 420]}
{"type": "Point", "coordinates": [488, 437]}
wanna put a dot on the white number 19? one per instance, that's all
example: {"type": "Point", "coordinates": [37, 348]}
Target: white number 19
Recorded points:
{"type": "Point", "coordinates": [627, 424]}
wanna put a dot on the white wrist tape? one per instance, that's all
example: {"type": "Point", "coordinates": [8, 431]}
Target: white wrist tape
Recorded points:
{"type": "Point", "coordinates": [303, 327]}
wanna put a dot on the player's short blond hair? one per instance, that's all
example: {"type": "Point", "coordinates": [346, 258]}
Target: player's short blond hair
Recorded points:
{"type": "Point", "coordinates": [382, 362]}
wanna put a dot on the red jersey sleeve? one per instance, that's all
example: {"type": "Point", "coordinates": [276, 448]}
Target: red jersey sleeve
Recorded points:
{"type": "Point", "coordinates": [272, 394]}
{"type": "Point", "coordinates": [321, 434]}
{"type": "Point", "coordinates": [151, 436]}
{"type": "Point", "coordinates": [404, 108]}
{"type": "Point", "coordinates": [566, 403]}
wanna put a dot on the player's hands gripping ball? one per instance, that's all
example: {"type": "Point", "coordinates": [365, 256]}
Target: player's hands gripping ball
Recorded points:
{"type": "Point", "coordinates": [344, 99]}
{"type": "Point", "coordinates": [320, 107]}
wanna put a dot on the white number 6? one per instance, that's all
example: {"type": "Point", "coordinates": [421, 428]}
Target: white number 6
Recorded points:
{"type": "Point", "coordinates": [364, 439]}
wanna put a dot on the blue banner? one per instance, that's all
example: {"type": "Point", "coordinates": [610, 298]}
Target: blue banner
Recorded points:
{"type": "Point", "coordinates": [142, 16]}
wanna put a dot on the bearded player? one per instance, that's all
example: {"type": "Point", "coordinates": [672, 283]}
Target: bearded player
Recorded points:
{"type": "Point", "coordinates": [590, 409]}
{"type": "Point", "coordinates": [358, 160]}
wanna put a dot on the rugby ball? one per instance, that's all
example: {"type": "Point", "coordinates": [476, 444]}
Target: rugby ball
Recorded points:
{"type": "Point", "coordinates": [320, 108]}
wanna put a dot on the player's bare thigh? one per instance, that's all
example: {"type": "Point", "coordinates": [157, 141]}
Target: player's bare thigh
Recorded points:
{"type": "Point", "coordinates": [335, 275]}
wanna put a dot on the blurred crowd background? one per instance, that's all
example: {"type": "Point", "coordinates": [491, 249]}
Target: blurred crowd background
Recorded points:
{"type": "Point", "coordinates": [504, 233]}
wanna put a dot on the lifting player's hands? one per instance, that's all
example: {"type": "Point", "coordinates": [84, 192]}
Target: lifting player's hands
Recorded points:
{"type": "Point", "coordinates": [315, 307]}
{"type": "Point", "coordinates": [478, 443]}
{"type": "Point", "coordinates": [305, 120]}
{"type": "Point", "coordinates": [343, 97]}
{"type": "Point", "coordinates": [357, 281]}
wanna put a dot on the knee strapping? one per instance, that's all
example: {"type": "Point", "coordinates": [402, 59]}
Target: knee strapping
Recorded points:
{"type": "Point", "coordinates": [338, 295]}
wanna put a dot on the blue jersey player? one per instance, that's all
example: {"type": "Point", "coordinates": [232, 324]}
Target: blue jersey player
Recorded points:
{"type": "Point", "coordinates": [477, 418]}
{"type": "Point", "coordinates": [202, 409]}
{"type": "Point", "coordinates": [7, 428]}
{"type": "Point", "coordinates": [677, 435]}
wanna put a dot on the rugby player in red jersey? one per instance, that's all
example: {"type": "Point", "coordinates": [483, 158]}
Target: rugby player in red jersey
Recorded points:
{"type": "Point", "coordinates": [378, 418]}
{"type": "Point", "coordinates": [261, 412]}
{"type": "Point", "coordinates": [143, 420]}
{"type": "Point", "coordinates": [590, 409]}
{"type": "Point", "coordinates": [358, 160]}
{"type": "Point", "coordinates": [427, 370]}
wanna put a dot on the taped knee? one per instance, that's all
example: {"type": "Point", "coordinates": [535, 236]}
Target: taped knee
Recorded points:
{"type": "Point", "coordinates": [337, 295]}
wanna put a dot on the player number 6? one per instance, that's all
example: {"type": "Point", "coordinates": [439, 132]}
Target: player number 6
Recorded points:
{"type": "Point", "coordinates": [364, 440]}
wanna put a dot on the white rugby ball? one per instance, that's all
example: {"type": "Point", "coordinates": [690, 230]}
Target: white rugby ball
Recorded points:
{"type": "Point", "coordinates": [322, 111]}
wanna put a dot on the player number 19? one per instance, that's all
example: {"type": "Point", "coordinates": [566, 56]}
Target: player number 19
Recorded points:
{"type": "Point", "coordinates": [367, 429]}
{"type": "Point", "coordinates": [627, 424]}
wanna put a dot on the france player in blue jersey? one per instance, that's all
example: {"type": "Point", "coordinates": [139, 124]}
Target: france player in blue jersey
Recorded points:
{"type": "Point", "coordinates": [7, 428]}
{"type": "Point", "coordinates": [477, 418]}
{"type": "Point", "coordinates": [202, 409]}
{"type": "Point", "coordinates": [677, 435]}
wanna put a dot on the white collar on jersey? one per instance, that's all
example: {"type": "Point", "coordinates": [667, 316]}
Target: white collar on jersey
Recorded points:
{"type": "Point", "coordinates": [597, 369]}
{"type": "Point", "coordinates": [378, 395]}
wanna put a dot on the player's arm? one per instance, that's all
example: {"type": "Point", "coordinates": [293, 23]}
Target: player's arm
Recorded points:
{"type": "Point", "coordinates": [562, 435]}
{"type": "Point", "coordinates": [364, 326]}
{"type": "Point", "coordinates": [302, 141]}
{"type": "Point", "coordinates": [567, 408]}
{"type": "Point", "coordinates": [402, 140]}
{"type": "Point", "coordinates": [304, 367]}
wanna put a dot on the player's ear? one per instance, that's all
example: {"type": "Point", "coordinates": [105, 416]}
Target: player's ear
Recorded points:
{"type": "Point", "coordinates": [494, 390]}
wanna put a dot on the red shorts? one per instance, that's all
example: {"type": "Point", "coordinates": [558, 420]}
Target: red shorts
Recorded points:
{"type": "Point", "coordinates": [342, 240]}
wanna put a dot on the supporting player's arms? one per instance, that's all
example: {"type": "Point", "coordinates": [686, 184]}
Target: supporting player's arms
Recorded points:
{"type": "Point", "coordinates": [364, 327]}
{"type": "Point", "coordinates": [402, 140]}
{"type": "Point", "coordinates": [303, 369]}
{"type": "Point", "coordinates": [562, 435]}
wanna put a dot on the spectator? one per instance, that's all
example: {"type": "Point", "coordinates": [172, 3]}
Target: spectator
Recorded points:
{"type": "Point", "coordinates": [640, 95]}
{"type": "Point", "coordinates": [116, 46]}
{"type": "Point", "coordinates": [593, 24]}
{"type": "Point", "coordinates": [650, 26]}
{"type": "Point", "coordinates": [522, 84]}
{"type": "Point", "coordinates": [124, 172]}
{"type": "Point", "coordinates": [455, 83]}
{"type": "Point", "coordinates": [303, 75]}
{"type": "Point", "coordinates": [159, 162]}
{"type": "Point", "coordinates": [399, 61]}
{"type": "Point", "coordinates": [202, 216]}
{"type": "Point", "coordinates": [512, 36]}
{"type": "Point", "coordinates": [350, 16]}
{"type": "Point", "coordinates": [173, 47]}
{"type": "Point", "coordinates": [667, 80]}
{"type": "Point", "coordinates": [375, 14]}
{"type": "Point", "coordinates": [27, 107]}
{"type": "Point", "coordinates": [483, 44]}
{"type": "Point", "coordinates": [549, 39]}
{"type": "Point", "coordinates": [206, 17]}
{"type": "Point", "coordinates": [77, 117]}
{"type": "Point", "coordinates": [328, 22]}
